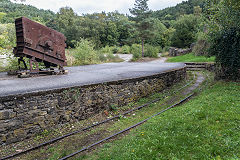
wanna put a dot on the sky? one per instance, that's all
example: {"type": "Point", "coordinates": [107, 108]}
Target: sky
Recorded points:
{"type": "Point", "coordinates": [91, 6]}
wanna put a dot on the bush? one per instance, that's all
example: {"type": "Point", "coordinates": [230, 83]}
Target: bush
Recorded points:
{"type": "Point", "coordinates": [115, 49]}
{"type": "Point", "coordinates": [10, 63]}
{"type": "Point", "coordinates": [107, 50]}
{"type": "Point", "coordinates": [202, 45]}
{"type": "Point", "coordinates": [185, 33]}
{"type": "Point", "coordinates": [165, 49]}
{"type": "Point", "coordinates": [125, 49]}
{"type": "Point", "coordinates": [151, 51]}
{"type": "Point", "coordinates": [85, 53]}
{"type": "Point", "coordinates": [106, 54]}
{"type": "Point", "coordinates": [7, 35]}
{"type": "Point", "coordinates": [136, 50]}
{"type": "Point", "coordinates": [226, 47]}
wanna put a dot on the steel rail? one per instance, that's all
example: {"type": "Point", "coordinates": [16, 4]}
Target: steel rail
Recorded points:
{"type": "Point", "coordinates": [122, 131]}
{"type": "Point", "coordinates": [91, 126]}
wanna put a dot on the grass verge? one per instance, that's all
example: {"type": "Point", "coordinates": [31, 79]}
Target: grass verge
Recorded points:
{"type": "Point", "coordinates": [77, 141]}
{"type": "Point", "coordinates": [207, 127]}
{"type": "Point", "coordinates": [191, 58]}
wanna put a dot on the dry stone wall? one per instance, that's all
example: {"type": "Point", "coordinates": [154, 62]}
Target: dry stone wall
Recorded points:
{"type": "Point", "coordinates": [22, 116]}
{"type": "Point", "coordinates": [173, 52]}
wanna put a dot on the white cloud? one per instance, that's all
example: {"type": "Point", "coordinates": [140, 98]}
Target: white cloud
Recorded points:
{"type": "Point", "coordinates": [91, 6]}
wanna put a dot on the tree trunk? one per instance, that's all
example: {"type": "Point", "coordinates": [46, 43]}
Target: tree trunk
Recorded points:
{"type": "Point", "coordinates": [142, 47]}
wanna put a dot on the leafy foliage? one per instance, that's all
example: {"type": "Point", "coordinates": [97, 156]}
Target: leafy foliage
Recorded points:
{"type": "Point", "coordinates": [223, 14]}
{"type": "Point", "coordinates": [125, 49]}
{"type": "Point", "coordinates": [144, 24]}
{"type": "Point", "coordinates": [172, 13]}
{"type": "Point", "coordinates": [85, 53]}
{"type": "Point", "coordinates": [226, 47]}
{"type": "Point", "coordinates": [14, 10]}
{"type": "Point", "coordinates": [66, 24]}
{"type": "Point", "coordinates": [185, 31]}
{"type": "Point", "coordinates": [151, 51]}
{"type": "Point", "coordinates": [201, 47]}
{"type": "Point", "coordinates": [7, 35]}
{"type": "Point", "coordinates": [136, 51]}
{"type": "Point", "coordinates": [224, 29]}
{"type": "Point", "coordinates": [158, 37]}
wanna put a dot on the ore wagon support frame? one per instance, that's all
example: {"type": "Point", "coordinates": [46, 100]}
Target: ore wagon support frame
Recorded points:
{"type": "Point", "coordinates": [39, 43]}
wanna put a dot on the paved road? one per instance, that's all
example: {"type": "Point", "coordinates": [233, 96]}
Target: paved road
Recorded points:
{"type": "Point", "coordinates": [82, 75]}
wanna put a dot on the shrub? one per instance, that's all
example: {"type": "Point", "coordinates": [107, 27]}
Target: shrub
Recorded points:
{"type": "Point", "coordinates": [151, 51]}
{"type": "Point", "coordinates": [107, 50]}
{"type": "Point", "coordinates": [136, 50]}
{"type": "Point", "coordinates": [226, 47]}
{"type": "Point", "coordinates": [106, 55]}
{"type": "Point", "coordinates": [165, 49]}
{"type": "Point", "coordinates": [202, 45]}
{"type": "Point", "coordinates": [185, 33]}
{"type": "Point", "coordinates": [115, 49]}
{"type": "Point", "coordinates": [85, 53]}
{"type": "Point", "coordinates": [125, 49]}
{"type": "Point", "coordinates": [7, 35]}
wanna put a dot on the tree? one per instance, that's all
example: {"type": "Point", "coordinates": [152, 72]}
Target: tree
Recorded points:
{"type": "Point", "coordinates": [66, 24]}
{"type": "Point", "coordinates": [158, 39]}
{"type": "Point", "coordinates": [144, 23]}
{"type": "Point", "coordinates": [124, 28]}
{"type": "Point", "coordinates": [185, 33]}
{"type": "Point", "coordinates": [223, 14]}
{"type": "Point", "coordinates": [224, 33]}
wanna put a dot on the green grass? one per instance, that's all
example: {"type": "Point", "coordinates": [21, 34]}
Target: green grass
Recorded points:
{"type": "Point", "coordinates": [207, 127]}
{"type": "Point", "coordinates": [191, 58]}
{"type": "Point", "coordinates": [69, 144]}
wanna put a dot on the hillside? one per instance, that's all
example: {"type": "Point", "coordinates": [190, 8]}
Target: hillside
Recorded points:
{"type": "Point", "coordinates": [171, 13]}
{"type": "Point", "coordinates": [14, 10]}
{"type": "Point", "coordinates": [10, 11]}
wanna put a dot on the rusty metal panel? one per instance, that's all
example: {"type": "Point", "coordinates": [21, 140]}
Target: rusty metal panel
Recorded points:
{"type": "Point", "coordinates": [38, 41]}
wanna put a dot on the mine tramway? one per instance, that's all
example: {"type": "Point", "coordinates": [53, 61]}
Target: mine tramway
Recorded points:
{"type": "Point", "coordinates": [107, 120]}
{"type": "Point", "coordinates": [39, 43]}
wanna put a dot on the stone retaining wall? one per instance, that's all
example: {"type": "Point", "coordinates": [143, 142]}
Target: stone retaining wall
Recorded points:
{"type": "Point", "coordinates": [173, 52]}
{"type": "Point", "coordinates": [22, 116]}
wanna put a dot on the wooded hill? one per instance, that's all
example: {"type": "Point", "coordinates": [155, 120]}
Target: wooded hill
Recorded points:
{"type": "Point", "coordinates": [171, 13]}
{"type": "Point", "coordinates": [11, 11]}
{"type": "Point", "coordinates": [14, 10]}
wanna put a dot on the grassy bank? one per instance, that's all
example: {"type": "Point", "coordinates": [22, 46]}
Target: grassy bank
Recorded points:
{"type": "Point", "coordinates": [207, 127]}
{"type": "Point", "coordinates": [191, 58]}
{"type": "Point", "coordinates": [73, 143]}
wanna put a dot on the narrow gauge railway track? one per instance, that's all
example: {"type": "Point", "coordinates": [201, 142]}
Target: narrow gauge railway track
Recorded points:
{"type": "Point", "coordinates": [135, 125]}
{"type": "Point", "coordinates": [122, 131]}
{"type": "Point", "coordinates": [104, 121]}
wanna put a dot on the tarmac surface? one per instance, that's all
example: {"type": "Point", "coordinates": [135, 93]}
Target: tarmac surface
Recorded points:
{"type": "Point", "coordinates": [82, 75]}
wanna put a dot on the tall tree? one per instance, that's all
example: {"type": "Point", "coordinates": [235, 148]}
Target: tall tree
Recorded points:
{"type": "Point", "coordinates": [67, 24]}
{"type": "Point", "coordinates": [141, 15]}
{"type": "Point", "coordinates": [224, 33]}
{"type": "Point", "coordinates": [185, 31]}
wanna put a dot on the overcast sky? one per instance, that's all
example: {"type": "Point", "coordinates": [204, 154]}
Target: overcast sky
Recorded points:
{"type": "Point", "coordinates": [91, 6]}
